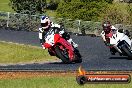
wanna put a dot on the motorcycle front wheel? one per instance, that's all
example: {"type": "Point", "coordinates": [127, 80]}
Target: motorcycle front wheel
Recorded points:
{"type": "Point", "coordinates": [62, 54]}
{"type": "Point", "coordinates": [78, 57]}
{"type": "Point", "coordinates": [126, 50]}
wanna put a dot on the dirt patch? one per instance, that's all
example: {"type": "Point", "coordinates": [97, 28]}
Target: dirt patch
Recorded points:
{"type": "Point", "coordinates": [25, 74]}
{"type": "Point", "coordinates": [14, 75]}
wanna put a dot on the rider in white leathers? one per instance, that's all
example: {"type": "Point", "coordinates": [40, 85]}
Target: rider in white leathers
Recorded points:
{"type": "Point", "coordinates": [46, 24]}
{"type": "Point", "coordinates": [108, 31]}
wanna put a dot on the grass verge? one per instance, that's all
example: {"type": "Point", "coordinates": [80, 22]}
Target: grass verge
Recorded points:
{"type": "Point", "coordinates": [60, 81]}
{"type": "Point", "coordinates": [15, 53]}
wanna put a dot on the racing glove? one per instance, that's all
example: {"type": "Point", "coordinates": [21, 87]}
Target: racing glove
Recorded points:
{"type": "Point", "coordinates": [41, 30]}
{"type": "Point", "coordinates": [107, 44]}
{"type": "Point", "coordinates": [61, 32]}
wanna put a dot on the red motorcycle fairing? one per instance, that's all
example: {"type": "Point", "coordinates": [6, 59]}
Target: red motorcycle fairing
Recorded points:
{"type": "Point", "coordinates": [67, 45]}
{"type": "Point", "coordinates": [62, 41]}
{"type": "Point", "coordinates": [56, 38]}
{"type": "Point", "coordinates": [46, 45]}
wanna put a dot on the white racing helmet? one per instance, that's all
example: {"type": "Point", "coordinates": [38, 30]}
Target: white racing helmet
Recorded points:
{"type": "Point", "coordinates": [44, 21]}
{"type": "Point", "coordinates": [113, 28]}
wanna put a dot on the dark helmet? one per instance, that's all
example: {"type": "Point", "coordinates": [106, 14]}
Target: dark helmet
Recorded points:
{"type": "Point", "coordinates": [106, 26]}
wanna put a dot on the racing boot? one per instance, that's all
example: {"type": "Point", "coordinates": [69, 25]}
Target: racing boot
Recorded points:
{"type": "Point", "coordinates": [42, 43]}
{"type": "Point", "coordinates": [73, 43]}
{"type": "Point", "coordinates": [43, 47]}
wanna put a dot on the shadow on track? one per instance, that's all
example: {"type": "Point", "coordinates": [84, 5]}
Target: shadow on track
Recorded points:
{"type": "Point", "coordinates": [61, 63]}
{"type": "Point", "coordinates": [119, 58]}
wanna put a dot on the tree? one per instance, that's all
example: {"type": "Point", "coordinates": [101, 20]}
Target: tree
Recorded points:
{"type": "Point", "coordinates": [67, 0]}
{"type": "Point", "coordinates": [81, 10]}
{"type": "Point", "coordinates": [53, 4]}
{"type": "Point", "coordinates": [109, 1]}
{"type": "Point", "coordinates": [28, 6]}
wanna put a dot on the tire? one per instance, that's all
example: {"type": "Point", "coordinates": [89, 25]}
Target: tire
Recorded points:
{"type": "Point", "coordinates": [79, 60]}
{"type": "Point", "coordinates": [81, 80]}
{"type": "Point", "coordinates": [51, 53]}
{"type": "Point", "coordinates": [78, 57]}
{"type": "Point", "coordinates": [127, 52]}
{"type": "Point", "coordinates": [60, 55]}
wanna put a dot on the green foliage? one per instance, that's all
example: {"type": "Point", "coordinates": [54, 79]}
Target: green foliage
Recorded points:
{"type": "Point", "coordinates": [28, 6]}
{"type": "Point", "coordinates": [52, 5]}
{"type": "Point", "coordinates": [90, 25]}
{"type": "Point", "coordinates": [109, 1]}
{"type": "Point", "coordinates": [119, 13]}
{"type": "Point", "coordinates": [23, 22]}
{"type": "Point", "coordinates": [90, 0]}
{"type": "Point", "coordinates": [81, 10]}
{"type": "Point", "coordinates": [67, 0]}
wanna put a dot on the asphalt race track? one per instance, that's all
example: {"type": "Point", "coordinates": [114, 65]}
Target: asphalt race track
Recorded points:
{"type": "Point", "coordinates": [96, 55]}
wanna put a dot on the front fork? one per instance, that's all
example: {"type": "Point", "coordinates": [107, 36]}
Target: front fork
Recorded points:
{"type": "Point", "coordinates": [118, 47]}
{"type": "Point", "coordinates": [68, 47]}
{"type": "Point", "coordinates": [72, 43]}
{"type": "Point", "coordinates": [115, 46]}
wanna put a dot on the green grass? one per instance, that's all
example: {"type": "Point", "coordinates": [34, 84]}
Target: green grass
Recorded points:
{"type": "Point", "coordinates": [53, 82]}
{"type": "Point", "coordinates": [14, 53]}
{"type": "Point", "coordinates": [4, 6]}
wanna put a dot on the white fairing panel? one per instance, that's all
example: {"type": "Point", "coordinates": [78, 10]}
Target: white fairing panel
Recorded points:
{"type": "Point", "coordinates": [119, 37]}
{"type": "Point", "coordinates": [116, 37]}
{"type": "Point", "coordinates": [50, 39]}
{"type": "Point", "coordinates": [126, 38]}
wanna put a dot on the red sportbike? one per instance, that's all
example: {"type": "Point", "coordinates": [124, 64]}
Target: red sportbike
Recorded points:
{"type": "Point", "coordinates": [61, 48]}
